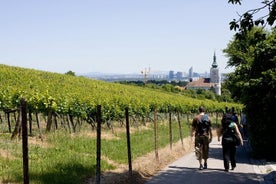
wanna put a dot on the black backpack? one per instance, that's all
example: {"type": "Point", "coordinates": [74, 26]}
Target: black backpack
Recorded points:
{"type": "Point", "coordinates": [229, 135]}
{"type": "Point", "coordinates": [203, 124]}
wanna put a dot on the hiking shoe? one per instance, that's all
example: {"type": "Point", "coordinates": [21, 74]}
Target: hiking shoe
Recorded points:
{"type": "Point", "coordinates": [205, 166]}
{"type": "Point", "coordinates": [232, 168]}
{"type": "Point", "coordinates": [200, 167]}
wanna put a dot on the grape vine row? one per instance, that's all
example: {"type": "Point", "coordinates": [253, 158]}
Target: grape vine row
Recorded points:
{"type": "Point", "coordinates": [79, 96]}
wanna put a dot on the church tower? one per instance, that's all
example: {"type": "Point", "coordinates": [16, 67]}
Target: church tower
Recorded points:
{"type": "Point", "coordinates": [214, 76]}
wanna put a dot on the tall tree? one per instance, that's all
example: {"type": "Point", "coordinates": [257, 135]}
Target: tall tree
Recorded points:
{"type": "Point", "coordinates": [253, 54]}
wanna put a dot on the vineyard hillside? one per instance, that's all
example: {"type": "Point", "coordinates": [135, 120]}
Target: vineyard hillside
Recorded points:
{"type": "Point", "coordinates": [79, 96]}
{"type": "Point", "coordinates": [60, 103]}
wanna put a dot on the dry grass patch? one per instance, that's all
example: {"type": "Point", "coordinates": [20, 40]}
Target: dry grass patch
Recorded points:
{"type": "Point", "coordinates": [146, 166]}
{"type": "Point", "coordinates": [36, 141]}
{"type": "Point", "coordinates": [104, 135]}
{"type": "Point", "coordinates": [6, 154]}
{"type": "Point", "coordinates": [112, 134]}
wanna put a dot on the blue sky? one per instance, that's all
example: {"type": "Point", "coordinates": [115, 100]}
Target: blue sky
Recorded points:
{"type": "Point", "coordinates": [116, 36]}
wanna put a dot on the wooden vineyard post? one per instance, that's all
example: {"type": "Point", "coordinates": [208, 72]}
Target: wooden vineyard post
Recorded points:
{"type": "Point", "coordinates": [38, 126]}
{"type": "Point", "coordinates": [155, 136]}
{"type": "Point", "coordinates": [170, 129]}
{"type": "Point", "coordinates": [217, 118]}
{"type": "Point", "coordinates": [25, 141]}
{"type": "Point", "coordinates": [30, 123]}
{"type": "Point", "coordinates": [9, 122]}
{"type": "Point", "coordinates": [98, 166]}
{"type": "Point", "coordinates": [128, 143]}
{"type": "Point", "coordinates": [188, 121]}
{"type": "Point", "coordinates": [180, 128]}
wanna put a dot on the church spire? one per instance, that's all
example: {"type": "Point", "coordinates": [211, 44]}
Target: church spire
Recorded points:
{"type": "Point", "coordinates": [214, 65]}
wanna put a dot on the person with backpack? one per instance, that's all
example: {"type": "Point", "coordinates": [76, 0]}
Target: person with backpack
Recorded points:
{"type": "Point", "coordinates": [202, 131]}
{"type": "Point", "coordinates": [231, 138]}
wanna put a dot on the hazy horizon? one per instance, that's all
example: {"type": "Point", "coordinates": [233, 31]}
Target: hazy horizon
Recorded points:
{"type": "Point", "coordinates": [116, 36]}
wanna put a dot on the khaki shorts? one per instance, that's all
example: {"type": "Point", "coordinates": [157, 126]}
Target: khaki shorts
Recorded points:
{"type": "Point", "coordinates": [202, 147]}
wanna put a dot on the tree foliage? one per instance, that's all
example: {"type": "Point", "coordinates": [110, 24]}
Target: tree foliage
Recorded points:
{"type": "Point", "coordinates": [265, 16]}
{"type": "Point", "coordinates": [253, 54]}
{"type": "Point", "coordinates": [70, 73]}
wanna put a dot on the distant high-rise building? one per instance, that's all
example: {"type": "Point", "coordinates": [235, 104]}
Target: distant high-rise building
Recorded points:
{"type": "Point", "coordinates": [191, 73]}
{"type": "Point", "coordinates": [171, 75]}
{"type": "Point", "coordinates": [179, 75]}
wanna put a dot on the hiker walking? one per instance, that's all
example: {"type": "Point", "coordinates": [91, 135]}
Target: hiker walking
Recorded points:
{"type": "Point", "coordinates": [202, 130]}
{"type": "Point", "coordinates": [231, 138]}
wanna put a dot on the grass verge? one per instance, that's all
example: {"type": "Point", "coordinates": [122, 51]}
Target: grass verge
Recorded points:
{"type": "Point", "coordinates": [71, 158]}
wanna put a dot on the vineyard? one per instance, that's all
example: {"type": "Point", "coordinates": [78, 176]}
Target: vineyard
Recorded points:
{"type": "Point", "coordinates": [78, 97]}
{"type": "Point", "coordinates": [70, 104]}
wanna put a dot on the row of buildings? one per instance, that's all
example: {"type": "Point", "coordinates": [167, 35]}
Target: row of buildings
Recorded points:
{"type": "Point", "coordinates": [195, 80]}
{"type": "Point", "coordinates": [206, 83]}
